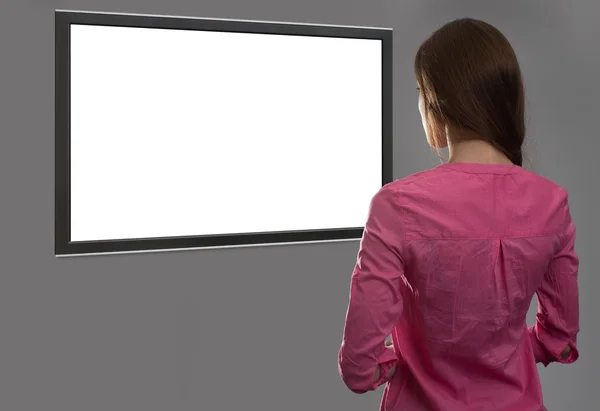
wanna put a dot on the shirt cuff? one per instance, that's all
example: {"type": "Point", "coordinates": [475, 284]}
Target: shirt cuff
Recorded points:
{"type": "Point", "coordinates": [386, 361]}
{"type": "Point", "coordinates": [555, 346]}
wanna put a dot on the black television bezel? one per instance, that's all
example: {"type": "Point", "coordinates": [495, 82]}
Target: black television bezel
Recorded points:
{"type": "Point", "coordinates": [63, 246]}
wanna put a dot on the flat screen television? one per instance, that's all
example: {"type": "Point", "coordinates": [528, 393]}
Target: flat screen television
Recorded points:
{"type": "Point", "coordinates": [187, 133]}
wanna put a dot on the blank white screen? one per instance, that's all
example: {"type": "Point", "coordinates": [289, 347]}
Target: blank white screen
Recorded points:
{"type": "Point", "coordinates": [183, 133]}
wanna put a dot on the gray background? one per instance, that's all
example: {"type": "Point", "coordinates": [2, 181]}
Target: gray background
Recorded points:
{"type": "Point", "coordinates": [254, 328]}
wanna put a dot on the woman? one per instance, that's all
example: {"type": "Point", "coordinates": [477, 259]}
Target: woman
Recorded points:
{"type": "Point", "coordinates": [451, 257]}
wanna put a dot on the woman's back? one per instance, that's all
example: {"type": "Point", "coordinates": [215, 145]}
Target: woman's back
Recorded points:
{"type": "Point", "coordinates": [474, 243]}
{"type": "Point", "coordinates": [478, 243]}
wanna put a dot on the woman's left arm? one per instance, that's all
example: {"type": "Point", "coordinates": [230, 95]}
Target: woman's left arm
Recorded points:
{"type": "Point", "coordinates": [376, 302]}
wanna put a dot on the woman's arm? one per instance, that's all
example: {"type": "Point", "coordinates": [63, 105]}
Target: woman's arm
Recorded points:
{"type": "Point", "coordinates": [554, 335]}
{"type": "Point", "coordinates": [376, 303]}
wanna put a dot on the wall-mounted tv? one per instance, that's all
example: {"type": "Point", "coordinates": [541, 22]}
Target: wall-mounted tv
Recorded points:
{"type": "Point", "coordinates": [186, 133]}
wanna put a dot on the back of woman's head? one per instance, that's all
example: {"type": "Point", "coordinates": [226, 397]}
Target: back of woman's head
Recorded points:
{"type": "Point", "coordinates": [470, 80]}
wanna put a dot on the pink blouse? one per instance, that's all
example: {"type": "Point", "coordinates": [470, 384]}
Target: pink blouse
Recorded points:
{"type": "Point", "coordinates": [448, 265]}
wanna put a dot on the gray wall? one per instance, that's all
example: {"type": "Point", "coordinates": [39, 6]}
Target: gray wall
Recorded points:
{"type": "Point", "coordinates": [252, 328]}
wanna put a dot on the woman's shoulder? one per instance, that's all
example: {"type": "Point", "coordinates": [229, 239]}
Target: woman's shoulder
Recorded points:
{"type": "Point", "coordinates": [544, 183]}
{"type": "Point", "coordinates": [414, 179]}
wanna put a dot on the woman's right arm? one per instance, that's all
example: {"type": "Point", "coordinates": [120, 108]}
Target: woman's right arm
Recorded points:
{"type": "Point", "coordinates": [554, 335]}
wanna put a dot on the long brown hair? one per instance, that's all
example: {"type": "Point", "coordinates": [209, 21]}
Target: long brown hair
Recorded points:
{"type": "Point", "coordinates": [470, 79]}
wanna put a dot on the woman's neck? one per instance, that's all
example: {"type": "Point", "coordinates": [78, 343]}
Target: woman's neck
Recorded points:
{"type": "Point", "coordinates": [476, 151]}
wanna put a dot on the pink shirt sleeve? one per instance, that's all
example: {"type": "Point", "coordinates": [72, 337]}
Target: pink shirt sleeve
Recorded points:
{"type": "Point", "coordinates": [557, 320]}
{"type": "Point", "coordinates": [375, 298]}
